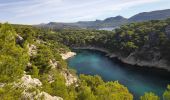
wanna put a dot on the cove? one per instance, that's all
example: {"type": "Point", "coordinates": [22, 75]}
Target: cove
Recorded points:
{"type": "Point", "coordinates": [137, 79]}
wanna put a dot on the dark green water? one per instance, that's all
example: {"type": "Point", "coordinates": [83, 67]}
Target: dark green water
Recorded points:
{"type": "Point", "coordinates": [137, 79]}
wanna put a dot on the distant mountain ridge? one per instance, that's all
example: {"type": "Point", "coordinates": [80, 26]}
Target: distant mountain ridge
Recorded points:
{"type": "Point", "coordinates": [109, 22]}
{"type": "Point", "coordinates": [153, 15]}
{"type": "Point", "coordinates": [112, 22]}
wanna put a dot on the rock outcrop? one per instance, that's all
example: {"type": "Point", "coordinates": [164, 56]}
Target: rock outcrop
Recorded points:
{"type": "Point", "coordinates": [19, 40]}
{"type": "Point", "coordinates": [153, 63]}
{"type": "Point", "coordinates": [28, 82]}
{"type": "Point", "coordinates": [32, 50]}
{"type": "Point", "coordinates": [46, 96]}
{"type": "Point", "coordinates": [70, 79]}
{"type": "Point", "coordinates": [67, 55]}
{"type": "Point", "coordinates": [30, 89]}
{"type": "Point", "coordinates": [2, 85]}
{"type": "Point", "coordinates": [53, 63]}
{"type": "Point", "coordinates": [37, 95]}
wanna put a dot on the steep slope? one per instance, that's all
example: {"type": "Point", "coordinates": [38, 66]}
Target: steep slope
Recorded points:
{"type": "Point", "coordinates": [143, 44]}
{"type": "Point", "coordinates": [33, 67]}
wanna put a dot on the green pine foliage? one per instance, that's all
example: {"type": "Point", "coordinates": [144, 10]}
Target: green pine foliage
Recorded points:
{"type": "Point", "coordinates": [149, 96]}
{"type": "Point", "coordinates": [166, 95]}
{"type": "Point", "coordinates": [149, 36]}
{"type": "Point", "coordinates": [10, 93]}
{"type": "Point", "coordinates": [14, 58]}
{"type": "Point", "coordinates": [94, 88]}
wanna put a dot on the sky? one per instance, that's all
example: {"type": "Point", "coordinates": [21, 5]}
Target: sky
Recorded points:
{"type": "Point", "coordinates": [44, 11]}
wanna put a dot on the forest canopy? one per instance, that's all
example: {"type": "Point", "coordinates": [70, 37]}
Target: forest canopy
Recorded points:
{"type": "Point", "coordinates": [15, 58]}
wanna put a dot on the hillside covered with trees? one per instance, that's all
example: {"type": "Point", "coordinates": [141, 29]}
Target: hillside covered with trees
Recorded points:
{"type": "Point", "coordinates": [26, 50]}
{"type": "Point", "coordinates": [144, 44]}
{"type": "Point", "coordinates": [16, 60]}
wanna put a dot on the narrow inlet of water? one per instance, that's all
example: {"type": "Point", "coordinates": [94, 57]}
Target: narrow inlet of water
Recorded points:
{"type": "Point", "coordinates": [137, 79]}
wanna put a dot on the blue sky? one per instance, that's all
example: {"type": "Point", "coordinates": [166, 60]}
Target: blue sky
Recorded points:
{"type": "Point", "coordinates": [44, 11]}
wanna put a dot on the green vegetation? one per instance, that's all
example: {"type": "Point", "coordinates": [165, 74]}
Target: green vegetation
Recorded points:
{"type": "Point", "coordinates": [10, 93]}
{"type": "Point", "coordinates": [140, 39]}
{"type": "Point", "coordinates": [146, 41]}
{"type": "Point", "coordinates": [94, 88]}
{"type": "Point", "coordinates": [57, 87]}
{"type": "Point", "coordinates": [166, 95]}
{"type": "Point", "coordinates": [149, 96]}
{"type": "Point", "coordinates": [15, 58]}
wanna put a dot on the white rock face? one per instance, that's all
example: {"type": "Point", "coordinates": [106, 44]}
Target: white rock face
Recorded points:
{"type": "Point", "coordinates": [70, 79]}
{"type": "Point", "coordinates": [2, 85]}
{"type": "Point", "coordinates": [157, 64]}
{"type": "Point", "coordinates": [28, 82]}
{"type": "Point", "coordinates": [19, 39]}
{"type": "Point", "coordinates": [28, 95]}
{"type": "Point", "coordinates": [40, 41]}
{"type": "Point", "coordinates": [31, 83]}
{"type": "Point", "coordinates": [37, 95]}
{"type": "Point", "coordinates": [67, 55]}
{"type": "Point", "coordinates": [32, 50]}
{"type": "Point", "coordinates": [53, 63]}
{"type": "Point", "coordinates": [46, 96]}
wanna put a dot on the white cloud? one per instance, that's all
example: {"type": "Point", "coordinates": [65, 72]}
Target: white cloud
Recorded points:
{"type": "Point", "coordinates": [67, 10]}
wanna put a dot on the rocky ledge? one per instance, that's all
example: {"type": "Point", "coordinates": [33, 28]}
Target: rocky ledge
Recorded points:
{"type": "Point", "coordinates": [161, 64]}
{"type": "Point", "coordinates": [27, 83]}
{"type": "Point", "coordinates": [67, 55]}
{"type": "Point", "coordinates": [70, 79]}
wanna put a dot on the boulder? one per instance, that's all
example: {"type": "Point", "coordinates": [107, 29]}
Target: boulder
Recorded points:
{"type": "Point", "coordinates": [32, 50]}
{"type": "Point", "coordinates": [2, 85]}
{"type": "Point", "coordinates": [37, 95]}
{"type": "Point", "coordinates": [70, 79]}
{"type": "Point", "coordinates": [53, 63]}
{"type": "Point", "coordinates": [46, 96]}
{"type": "Point", "coordinates": [67, 55]}
{"type": "Point", "coordinates": [28, 82]}
{"type": "Point", "coordinates": [19, 40]}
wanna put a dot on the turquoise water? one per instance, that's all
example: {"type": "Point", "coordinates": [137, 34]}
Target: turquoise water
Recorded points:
{"type": "Point", "coordinates": [137, 79]}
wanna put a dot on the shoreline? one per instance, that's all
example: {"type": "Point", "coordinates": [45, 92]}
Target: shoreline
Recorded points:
{"type": "Point", "coordinates": [130, 59]}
